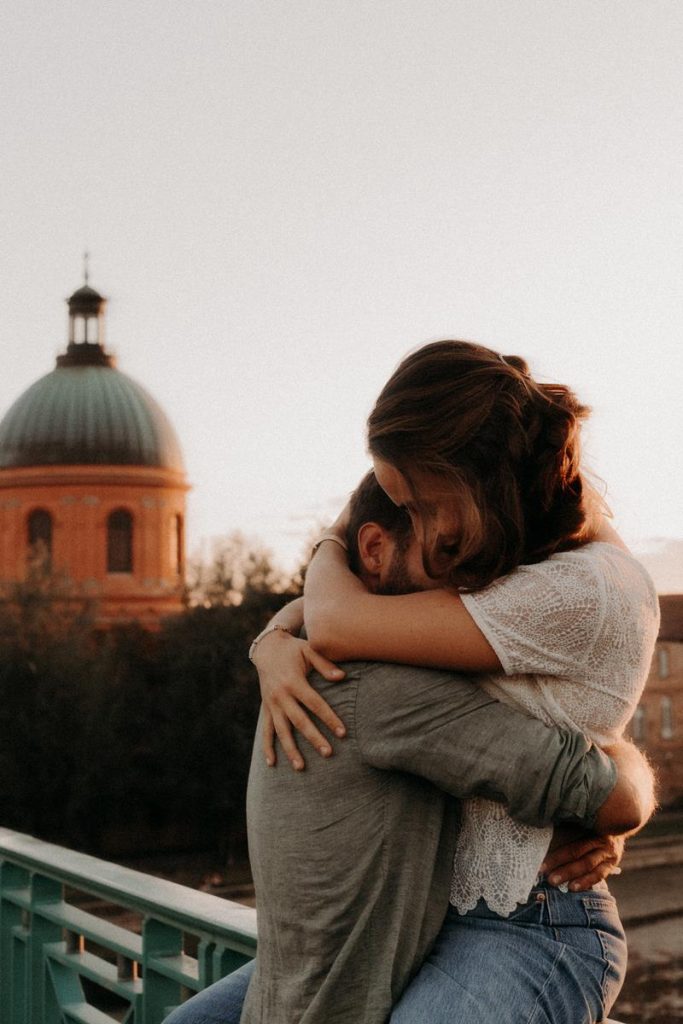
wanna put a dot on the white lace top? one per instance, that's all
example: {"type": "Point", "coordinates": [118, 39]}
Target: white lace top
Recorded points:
{"type": "Point", "coordinates": [575, 636]}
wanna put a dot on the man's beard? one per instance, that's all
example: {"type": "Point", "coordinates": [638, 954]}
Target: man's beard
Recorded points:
{"type": "Point", "coordinates": [398, 579]}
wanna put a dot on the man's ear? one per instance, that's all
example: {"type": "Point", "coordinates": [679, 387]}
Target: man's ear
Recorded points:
{"type": "Point", "coordinates": [373, 548]}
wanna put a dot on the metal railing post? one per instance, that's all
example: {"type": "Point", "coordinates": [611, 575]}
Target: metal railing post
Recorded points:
{"type": "Point", "coordinates": [40, 932]}
{"type": "Point", "coordinates": [161, 992]}
{"type": "Point", "coordinates": [13, 883]}
{"type": "Point", "coordinates": [61, 962]}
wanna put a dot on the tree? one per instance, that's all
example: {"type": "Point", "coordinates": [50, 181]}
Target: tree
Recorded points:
{"type": "Point", "coordinates": [237, 568]}
{"type": "Point", "coordinates": [120, 740]}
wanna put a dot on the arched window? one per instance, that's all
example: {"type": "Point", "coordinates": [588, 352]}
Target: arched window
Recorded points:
{"type": "Point", "coordinates": [177, 542]}
{"type": "Point", "coordinates": [40, 534]}
{"type": "Point", "coordinates": [639, 725]}
{"type": "Point", "coordinates": [120, 541]}
{"type": "Point", "coordinates": [663, 662]}
{"type": "Point", "coordinates": [666, 718]}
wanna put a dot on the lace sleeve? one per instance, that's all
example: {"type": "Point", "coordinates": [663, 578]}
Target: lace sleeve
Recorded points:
{"type": "Point", "coordinates": [575, 636]}
{"type": "Point", "coordinates": [543, 618]}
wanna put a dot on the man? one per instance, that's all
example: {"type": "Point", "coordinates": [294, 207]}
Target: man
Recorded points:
{"type": "Point", "coordinates": [352, 858]}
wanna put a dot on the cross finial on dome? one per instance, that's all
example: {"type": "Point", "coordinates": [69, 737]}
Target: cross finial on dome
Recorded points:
{"type": "Point", "coordinates": [86, 260]}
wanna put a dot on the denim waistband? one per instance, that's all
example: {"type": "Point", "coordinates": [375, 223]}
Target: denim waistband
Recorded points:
{"type": "Point", "coordinates": [548, 905]}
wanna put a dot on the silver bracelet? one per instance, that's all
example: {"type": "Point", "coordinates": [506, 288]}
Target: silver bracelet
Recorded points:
{"type": "Point", "coordinates": [265, 632]}
{"type": "Point", "coordinates": [335, 540]}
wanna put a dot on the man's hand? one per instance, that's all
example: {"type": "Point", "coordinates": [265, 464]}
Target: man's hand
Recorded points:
{"type": "Point", "coordinates": [582, 863]}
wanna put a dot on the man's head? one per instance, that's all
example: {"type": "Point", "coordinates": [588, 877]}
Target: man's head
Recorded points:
{"type": "Point", "coordinates": [383, 549]}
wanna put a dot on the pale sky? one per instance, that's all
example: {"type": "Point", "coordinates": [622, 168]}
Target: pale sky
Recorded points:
{"type": "Point", "coordinates": [281, 198]}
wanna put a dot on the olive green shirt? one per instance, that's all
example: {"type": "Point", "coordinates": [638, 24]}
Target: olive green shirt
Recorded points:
{"type": "Point", "coordinates": [352, 857]}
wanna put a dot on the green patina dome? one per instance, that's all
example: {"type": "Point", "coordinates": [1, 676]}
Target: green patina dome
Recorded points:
{"type": "Point", "coordinates": [86, 412]}
{"type": "Point", "coordinates": [87, 415]}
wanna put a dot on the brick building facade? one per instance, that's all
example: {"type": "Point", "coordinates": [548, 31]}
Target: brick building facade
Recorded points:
{"type": "Point", "coordinates": [657, 726]}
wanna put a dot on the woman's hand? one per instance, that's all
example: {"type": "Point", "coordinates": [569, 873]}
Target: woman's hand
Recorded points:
{"type": "Point", "coordinates": [584, 862]}
{"type": "Point", "coordinates": [283, 663]}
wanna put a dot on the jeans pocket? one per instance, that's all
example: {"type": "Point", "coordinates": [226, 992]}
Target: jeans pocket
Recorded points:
{"type": "Point", "coordinates": [603, 919]}
{"type": "Point", "coordinates": [614, 956]}
{"type": "Point", "coordinates": [600, 903]}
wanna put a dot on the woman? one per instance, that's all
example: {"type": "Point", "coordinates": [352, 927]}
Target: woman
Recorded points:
{"type": "Point", "coordinates": [540, 596]}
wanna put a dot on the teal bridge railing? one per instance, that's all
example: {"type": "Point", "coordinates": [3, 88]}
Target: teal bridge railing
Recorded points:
{"type": "Point", "coordinates": [55, 956]}
{"type": "Point", "coordinates": [60, 963]}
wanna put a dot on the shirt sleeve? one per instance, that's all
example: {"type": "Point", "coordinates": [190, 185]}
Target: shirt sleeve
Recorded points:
{"type": "Point", "coordinates": [542, 619]}
{"type": "Point", "coordinates": [444, 728]}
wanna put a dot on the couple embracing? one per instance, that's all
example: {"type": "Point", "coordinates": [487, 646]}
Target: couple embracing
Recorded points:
{"type": "Point", "coordinates": [446, 862]}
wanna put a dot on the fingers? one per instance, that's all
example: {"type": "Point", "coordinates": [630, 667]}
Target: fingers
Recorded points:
{"type": "Point", "coordinates": [593, 862]}
{"type": "Point", "coordinates": [288, 698]}
{"type": "Point", "coordinates": [268, 738]}
{"type": "Point", "coordinates": [583, 863]}
{"type": "Point", "coordinates": [324, 666]}
{"type": "Point", "coordinates": [316, 704]}
{"type": "Point", "coordinates": [288, 714]}
{"type": "Point", "coordinates": [599, 874]}
{"type": "Point", "coordinates": [322, 710]}
{"type": "Point", "coordinates": [569, 852]}
{"type": "Point", "coordinates": [284, 735]}
{"type": "Point", "coordinates": [300, 720]}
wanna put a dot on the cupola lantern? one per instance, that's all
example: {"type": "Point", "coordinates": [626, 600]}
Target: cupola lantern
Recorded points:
{"type": "Point", "coordinates": [86, 323]}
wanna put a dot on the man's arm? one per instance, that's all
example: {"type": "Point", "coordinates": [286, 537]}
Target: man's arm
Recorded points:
{"type": "Point", "coordinates": [632, 801]}
{"type": "Point", "coordinates": [468, 744]}
{"type": "Point", "coordinates": [584, 859]}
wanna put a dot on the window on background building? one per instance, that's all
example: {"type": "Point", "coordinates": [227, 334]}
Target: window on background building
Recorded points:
{"type": "Point", "coordinates": [40, 533]}
{"type": "Point", "coordinates": [666, 712]}
{"type": "Point", "coordinates": [177, 542]}
{"type": "Point", "coordinates": [663, 662]}
{"type": "Point", "coordinates": [120, 541]}
{"type": "Point", "coordinates": [639, 725]}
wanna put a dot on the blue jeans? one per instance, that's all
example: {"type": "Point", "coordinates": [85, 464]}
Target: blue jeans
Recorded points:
{"type": "Point", "coordinates": [560, 958]}
{"type": "Point", "coordinates": [220, 1003]}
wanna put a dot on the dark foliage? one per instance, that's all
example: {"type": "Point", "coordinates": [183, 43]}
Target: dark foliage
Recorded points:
{"type": "Point", "coordinates": [128, 741]}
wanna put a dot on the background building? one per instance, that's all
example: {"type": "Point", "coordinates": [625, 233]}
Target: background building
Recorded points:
{"type": "Point", "coordinates": [657, 726]}
{"type": "Point", "coordinates": [92, 482]}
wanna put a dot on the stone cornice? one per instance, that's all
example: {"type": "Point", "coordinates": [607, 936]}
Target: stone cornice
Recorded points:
{"type": "Point", "coordinates": [61, 476]}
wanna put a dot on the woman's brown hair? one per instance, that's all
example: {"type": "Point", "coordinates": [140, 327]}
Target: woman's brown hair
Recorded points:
{"type": "Point", "coordinates": [506, 448]}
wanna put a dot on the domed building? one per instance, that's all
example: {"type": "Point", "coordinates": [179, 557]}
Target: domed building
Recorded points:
{"type": "Point", "coordinates": [92, 481]}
